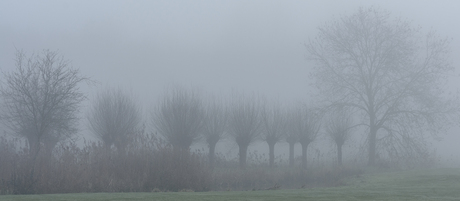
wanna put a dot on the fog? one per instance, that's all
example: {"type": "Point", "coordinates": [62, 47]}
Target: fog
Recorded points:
{"type": "Point", "coordinates": [215, 46]}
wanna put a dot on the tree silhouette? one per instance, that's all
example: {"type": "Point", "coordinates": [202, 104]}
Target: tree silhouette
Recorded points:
{"type": "Point", "coordinates": [338, 129]}
{"type": "Point", "coordinates": [244, 123]}
{"type": "Point", "coordinates": [41, 99]}
{"type": "Point", "coordinates": [305, 124]}
{"type": "Point", "coordinates": [215, 126]}
{"type": "Point", "coordinates": [387, 70]}
{"type": "Point", "coordinates": [274, 125]}
{"type": "Point", "coordinates": [179, 117]}
{"type": "Point", "coordinates": [114, 118]}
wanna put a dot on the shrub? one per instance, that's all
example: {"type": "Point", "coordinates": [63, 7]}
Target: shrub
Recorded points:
{"type": "Point", "coordinates": [94, 168]}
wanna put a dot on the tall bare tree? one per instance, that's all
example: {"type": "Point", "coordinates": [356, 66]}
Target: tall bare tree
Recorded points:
{"type": "Point", "coordinates": [389, 71]}
{"type": "Point", "coordinates": [305, 124]}
{"type": "Point", "coordinates": [179, 117]}
{"type": "Point", "coordinates": [244, 123]}
{"type": "Point", "coordinates": [215, 125]}
{"type": "Point", "coordinates": [338, 129]}
{"type": "Point", "coordinates": [41, 98]}
{"type": "Point", "coordinates": [114, 117]}
{"type": "Point", "coordinates": [274, 125]}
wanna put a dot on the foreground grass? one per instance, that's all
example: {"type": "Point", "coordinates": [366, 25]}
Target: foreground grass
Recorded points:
{"type": "Point", "coordinates": [434, 184]}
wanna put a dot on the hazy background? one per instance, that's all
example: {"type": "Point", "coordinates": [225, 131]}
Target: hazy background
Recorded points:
{"type": "Point", "coordinates": [216, 46]}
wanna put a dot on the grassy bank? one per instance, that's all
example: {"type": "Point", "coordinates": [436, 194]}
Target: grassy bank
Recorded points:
{"type": "Point", "coordinates": [432, 184]}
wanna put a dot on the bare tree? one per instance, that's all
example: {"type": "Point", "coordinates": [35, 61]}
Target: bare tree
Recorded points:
{"type": "Point", "coordinates": [215, 126]}
{"type": "Point", "coordinates": [274, 125]}
{"type": "Point", "coordinates": [114, 117]}
{"type": "Point", "coordinates": [338, 129]}
{"type": "Point", "coordinates": [244, 124]}
{"type": "Point", "coordinates": [292, 139]}
{"type": "Point", "coordinates": [41, 98]}
{"type": "Point", "coordinates": [305, 124]}
{"type": "Point", "coordinates": [389, 71]}
{"type": "Point", "coordinates": [179, 117]}
{"type": "Point", "coordinates": [291, 135]}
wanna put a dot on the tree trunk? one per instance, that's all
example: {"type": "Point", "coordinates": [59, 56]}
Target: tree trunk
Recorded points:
{"type": "Point", "coordinates": [271, 151]}
{"type": "Point", "coordinates": [372, 145]}
{"type": "Point", "coordinates": [243, 149]}
{"type": "Point", "coordinates": [291, 154]}
{"type": "Point", "coordinates": [339, 154]}
{"type": "Point", "coordinates": [50, 143]}
{"type": "Point", "coordinates": [304, 155]}
{"type": "Point", "coordinates": [212, 150]}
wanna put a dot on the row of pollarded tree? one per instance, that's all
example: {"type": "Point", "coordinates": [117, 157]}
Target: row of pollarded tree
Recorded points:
{"type": "Point", "coordinates": [182, 117]}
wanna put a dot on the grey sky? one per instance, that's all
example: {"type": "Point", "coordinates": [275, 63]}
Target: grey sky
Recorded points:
{"type": "Point", "coordinates": [217, 46]}
{"type": "Point", "coordinates": [212, 45]}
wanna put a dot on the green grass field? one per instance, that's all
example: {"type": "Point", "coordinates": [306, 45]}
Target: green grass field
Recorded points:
{"type": "Point", "coordinates": [433, 184]}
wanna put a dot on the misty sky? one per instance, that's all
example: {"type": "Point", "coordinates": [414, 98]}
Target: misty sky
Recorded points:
{"type": "Point", "coordinates": [217, 46]}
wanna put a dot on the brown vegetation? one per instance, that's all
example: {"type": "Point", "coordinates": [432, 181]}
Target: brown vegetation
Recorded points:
{"type": "Point", "coordinates": [93, 168]}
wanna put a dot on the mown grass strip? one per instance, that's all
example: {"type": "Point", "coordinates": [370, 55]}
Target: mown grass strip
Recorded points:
{"type": "Point", "coordinates": [433, 184]}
